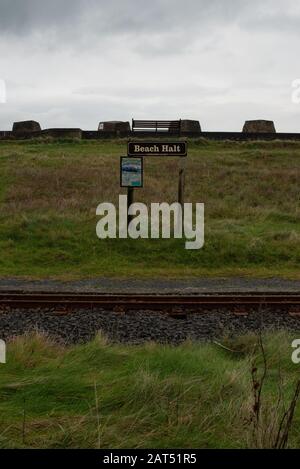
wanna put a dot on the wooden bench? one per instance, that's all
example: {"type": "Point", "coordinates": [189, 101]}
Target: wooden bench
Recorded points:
{"type": "Point", "coordinates": [156, 126]}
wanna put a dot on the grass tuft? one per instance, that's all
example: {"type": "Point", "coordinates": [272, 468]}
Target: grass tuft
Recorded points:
{"type": "Point", "coordinates": [108, 395]}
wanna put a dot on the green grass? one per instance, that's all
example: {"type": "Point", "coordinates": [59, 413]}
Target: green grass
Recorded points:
{"type": "Point", "coordinates": [191, 396]}
{"type": "Point", "coordinates": [49, 192]}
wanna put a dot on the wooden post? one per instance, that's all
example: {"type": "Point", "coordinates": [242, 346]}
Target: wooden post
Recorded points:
{"type": "Point", "coordinates": [181, 183]}
{"type": "Point", "coordinates": [130, 198]}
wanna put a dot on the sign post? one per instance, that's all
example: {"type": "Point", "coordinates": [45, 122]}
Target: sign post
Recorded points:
{"type": "Point", "coordinates": [130, 200]}
{"type": "Point", "coordinates": [163, 149]}
{"type": "Point", "coordinates": [132, 170]}
{"type": "Point", "coordinates": [181, 184]}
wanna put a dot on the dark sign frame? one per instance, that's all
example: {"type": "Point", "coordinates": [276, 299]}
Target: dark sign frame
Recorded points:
{"type": "Point", "coordinates": [142, 171]}
{"type": "Point", "coordinates": [158, 145]}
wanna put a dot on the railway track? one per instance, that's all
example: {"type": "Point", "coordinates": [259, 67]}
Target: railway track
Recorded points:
{"type": "Point", "coordinates": [176, 304]}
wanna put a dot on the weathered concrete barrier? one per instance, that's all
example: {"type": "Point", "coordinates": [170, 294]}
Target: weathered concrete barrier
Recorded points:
{"type": "Point", "coordinates": [102, 135]}
{"type": "Point", "coordinates": [189, 127]}
{"type": "Point", "coordinates": [6, 135]}
{"type": "Point", "coordinates": [62, 133]}
{"type": "Point", "coordinates": [243, 137]}
{"type": "Point", "coordinates": [26, 127]}
{"type": "Point", "coordinates": [117, 127]}
{"type": "Point", "coordinates": [259, 126]}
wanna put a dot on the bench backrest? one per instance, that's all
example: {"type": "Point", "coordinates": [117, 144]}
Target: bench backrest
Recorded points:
{"type": "Point", "coordinates": [162, 126]}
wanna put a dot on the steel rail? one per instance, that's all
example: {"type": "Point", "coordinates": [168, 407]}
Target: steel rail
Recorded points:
{"type": "Point", "coordinates": [146, 301]}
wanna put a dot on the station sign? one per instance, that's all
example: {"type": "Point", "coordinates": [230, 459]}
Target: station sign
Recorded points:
{"type": "Point", "coordinates": [157, 148]}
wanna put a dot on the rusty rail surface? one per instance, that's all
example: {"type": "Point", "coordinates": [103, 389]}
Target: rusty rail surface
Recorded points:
{"type": "Point", "coordinates": [148, 301]}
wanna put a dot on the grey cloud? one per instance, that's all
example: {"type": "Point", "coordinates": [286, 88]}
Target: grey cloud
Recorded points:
{"type": "Point", "coordinates": [76, 62]}
{"type": "Point", "coordinates": [167, 27]}
{"type": "Point", "coordinates": [119, 16]}
{"type": "Point", "coordinates": [137, 92]}
{"type": "Point", "coordinates": [23, 16]}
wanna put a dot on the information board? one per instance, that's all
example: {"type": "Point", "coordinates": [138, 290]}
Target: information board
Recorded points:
{"type": "Point", "coordinates": [131, 172]}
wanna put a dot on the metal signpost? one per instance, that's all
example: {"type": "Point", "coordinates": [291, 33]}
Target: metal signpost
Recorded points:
{"type": "Point", "coordinates": [132, 169]}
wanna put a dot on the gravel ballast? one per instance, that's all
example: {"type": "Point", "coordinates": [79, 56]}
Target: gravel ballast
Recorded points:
{"type": "Point", "coordinates": [142, 326]}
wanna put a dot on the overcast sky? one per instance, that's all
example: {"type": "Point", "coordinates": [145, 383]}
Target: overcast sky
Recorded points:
{"type": "Point", "coordinates": [73, 63]}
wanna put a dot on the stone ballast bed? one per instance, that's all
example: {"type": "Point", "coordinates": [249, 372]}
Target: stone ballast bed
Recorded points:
{"type": "Point", "coordinates": [137, 327]}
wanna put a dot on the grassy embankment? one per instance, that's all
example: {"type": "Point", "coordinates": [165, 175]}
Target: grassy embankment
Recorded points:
{"type": "Point", "coordinates": [49, 194]}
{"type": "Point", "coordinates": [143, 396]}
